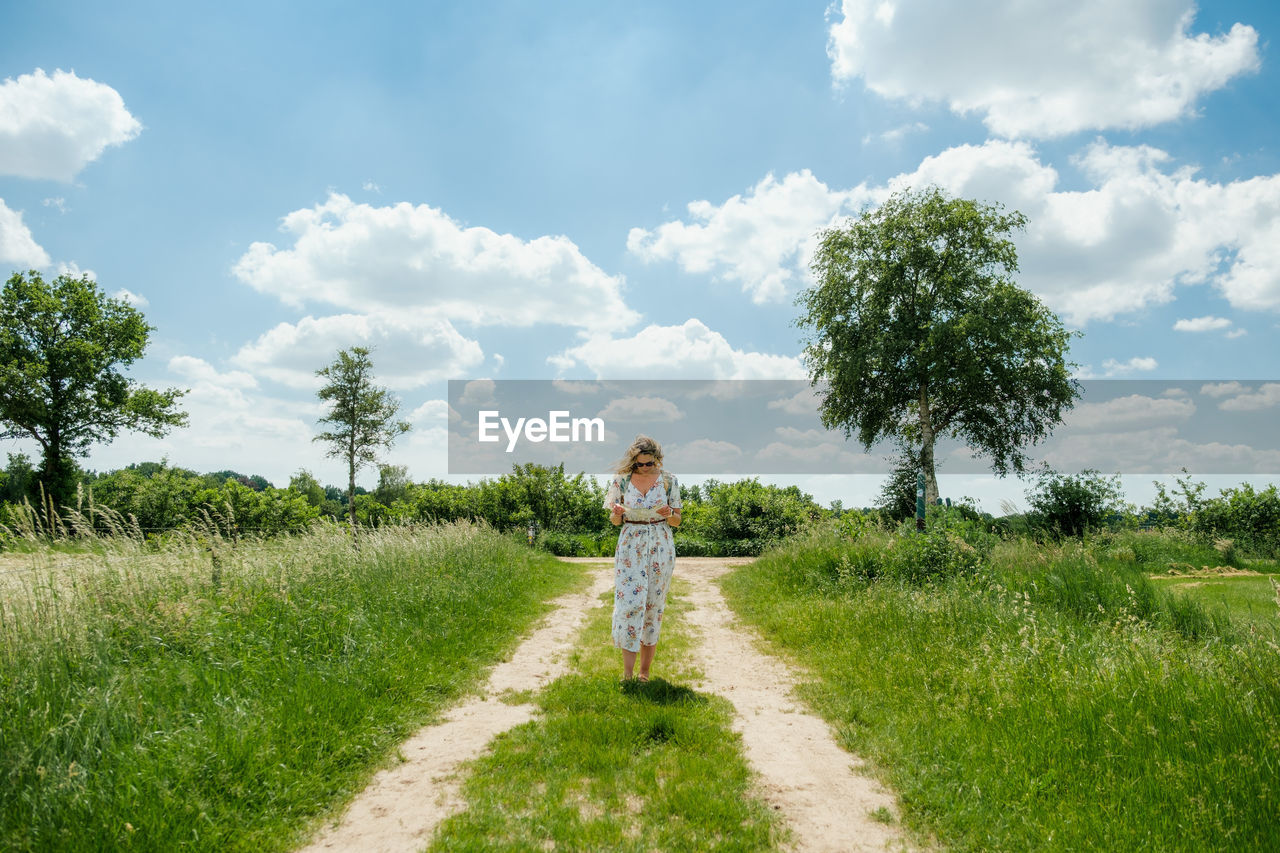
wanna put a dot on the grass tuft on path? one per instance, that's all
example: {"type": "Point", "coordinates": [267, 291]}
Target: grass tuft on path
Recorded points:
{"type": "Point", "coordinates": [1049, 702]}
{"type": "Point", "coordinates": [619, 767]}
{"type": "Point", "coordinates": [225, 700]}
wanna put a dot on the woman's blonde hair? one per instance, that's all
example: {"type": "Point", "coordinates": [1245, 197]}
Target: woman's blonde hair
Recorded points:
{"type": "Point", "coordinates": [642, 444]}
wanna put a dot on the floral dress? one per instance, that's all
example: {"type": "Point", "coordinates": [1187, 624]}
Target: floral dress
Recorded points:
{"type": "Point", "coordinates": [642, 564]}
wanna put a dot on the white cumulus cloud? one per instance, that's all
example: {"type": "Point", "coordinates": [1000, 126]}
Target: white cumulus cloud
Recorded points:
{"type": "Point", "coordinates": [702, 454]}
{"type": "Point", "coordinates": [1136, 232]}
{"type": "Point", "coordinates": [762, 240]}
{"type": "Point", "coordinates": [656, 409]}
{"type": "Point", "coordinates": [1126, 413]}
{"type": "Point", "coordinates": [688, 351]}
{"type": "Point", "coordinates": [17, 247]}
{"type": "Point", "coordinates": [52, 126]}
{"type": "Point", "coordinates": [1267, 396]}
{"type": "Point", "coordinates": [1044, 68]}
{"type": "Point", "coordinates": [134, 299]}
{"type": "Point", "coordinates": [1133, 365]}
{"type": "Point", "coordinates": [1222, 389]}
{"type": "Point", "coordinates": [1202, 324]}
{"type": "Point", "coordinates": [408, 350]}
{"type": "Point", "coordinates": [414, 257]}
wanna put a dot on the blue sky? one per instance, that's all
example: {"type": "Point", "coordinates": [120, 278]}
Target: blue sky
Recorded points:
{"type": "Point", "coordinates": [601, 190]}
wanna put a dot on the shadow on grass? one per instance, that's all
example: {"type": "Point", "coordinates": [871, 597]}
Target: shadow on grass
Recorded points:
{"type": "Point", "coordinates": [659, 691]}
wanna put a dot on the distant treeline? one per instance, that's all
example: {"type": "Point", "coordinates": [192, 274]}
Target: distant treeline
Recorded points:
{"type": "Point", "coordinates": [566, 512]}
{"type": "Point", "coordinates": [567, 515]}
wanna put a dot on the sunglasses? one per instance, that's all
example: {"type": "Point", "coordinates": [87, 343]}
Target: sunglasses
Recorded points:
{"type": "Point", "coordinates": [644, 464]}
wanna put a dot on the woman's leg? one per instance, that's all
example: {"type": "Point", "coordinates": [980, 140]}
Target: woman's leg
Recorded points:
{"type": "Point", "coordinates": [646, 659]}
{"type": "Point", "coordinates": [629, 663]}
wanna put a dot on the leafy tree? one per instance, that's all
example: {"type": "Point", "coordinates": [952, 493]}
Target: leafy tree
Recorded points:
{"type": "Point", "coordinates": [362, 416]}
{"type": "Point", "coordinates": [1074, 504]}
{"type": "Point", "coordinates": [240, 509]}
{"type": "Point", "coordinates": [393, 484]}
{"type": "Point", "coordinates": [62, 345]}
{"type": "Point", "coordinates": [1250, 518]}
{"type": "Point", "coordinates": [918, 331]}
{"type": "Point", "coordinates": [257, 482]}
{"type": "Point", "coordinates": [156, 498]}
{"type": "Point", "coordinates": [897, 496]}
{"type": "Point", "coordinates": [16, 479]}
{"type": "Point", "coordinates": [305, 484]}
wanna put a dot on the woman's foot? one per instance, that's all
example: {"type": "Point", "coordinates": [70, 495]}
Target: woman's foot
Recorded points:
{"type": "Point", "coordinates": [643, 677]}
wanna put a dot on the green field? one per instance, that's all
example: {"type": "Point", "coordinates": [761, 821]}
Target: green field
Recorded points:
{"type": "Point", "coordinates": [162, 701]}
{"type": "Point", "coordinates": [1252, 599]}
{"type": "Point", "coordinates": [1015, 696]}
{"type": "Point", "coordinates": [1053, 699]}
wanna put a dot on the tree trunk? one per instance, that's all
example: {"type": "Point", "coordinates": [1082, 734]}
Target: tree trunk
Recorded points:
{"type": "Point", "coordinates": [57, 479]}
{"type": "Point", "coordinates": [926, 450]}
{"type": "Point", "coordinates": [351, 490]}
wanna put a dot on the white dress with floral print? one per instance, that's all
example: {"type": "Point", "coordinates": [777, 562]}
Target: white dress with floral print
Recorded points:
{"type": "Point", "coordinates": [642, 565]}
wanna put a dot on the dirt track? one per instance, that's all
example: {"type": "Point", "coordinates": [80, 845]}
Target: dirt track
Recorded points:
{"type": "Point", "coordinates": [803, 773]}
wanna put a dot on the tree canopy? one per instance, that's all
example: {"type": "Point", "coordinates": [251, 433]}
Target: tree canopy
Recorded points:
{"type": "Point", "coordinates": [917, 330]}
{"type": "Point", "coordinates": [362, 416]}
{"type": "Point", "coordinates": [62, 345]}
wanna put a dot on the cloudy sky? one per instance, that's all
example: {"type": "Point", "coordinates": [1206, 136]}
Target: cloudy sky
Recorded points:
{"type": "Point", "coordinates": [603, 190]}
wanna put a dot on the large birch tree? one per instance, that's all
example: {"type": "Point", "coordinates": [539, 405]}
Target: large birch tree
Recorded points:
{"type": "Point", "coordinates": [917, 330]}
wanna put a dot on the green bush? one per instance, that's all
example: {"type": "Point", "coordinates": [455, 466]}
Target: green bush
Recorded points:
{"type": "Point", "coordinates": [693, 545]}
{"type": "Point", "coordinates": [562, 544]}
{"type": "Point", "coordinates": [1070, 505]}
{"type": "Point", "coordinates": [1250, 518]}
{"type": "Point", "coordinates": [747, 517]}
{"type": "Point", "coordinates": [930, 556]}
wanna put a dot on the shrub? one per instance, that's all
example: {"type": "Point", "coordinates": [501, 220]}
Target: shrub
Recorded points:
{"type": "Point", "coordinates": [1070, 505]}
{"type": "Point", "coordinates": [745, 518]}
{"type": "Point", "coordinates": [934, 555]}
{"type": "Point", "coordinates": [562, 544]}
{"type": "Point", "coordinates": [1249, 518]}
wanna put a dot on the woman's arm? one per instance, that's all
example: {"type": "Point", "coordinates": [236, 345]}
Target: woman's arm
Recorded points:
{"type": "Point", "coordinates": [613, 502]}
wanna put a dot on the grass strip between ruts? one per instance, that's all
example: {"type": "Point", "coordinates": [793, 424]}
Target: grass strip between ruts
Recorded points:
{"type": "Point", "coordinates": [619, 767]}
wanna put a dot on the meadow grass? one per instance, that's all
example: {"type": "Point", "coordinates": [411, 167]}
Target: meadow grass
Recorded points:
{"type": "Point", "coordinates": [1049, 701]}
{"type": "Point", "coordinates": [1251, 599]}
{"type": "Point", "coordinates": [605, 766]}
{"type": "Point", "coordinates": [220, 696]}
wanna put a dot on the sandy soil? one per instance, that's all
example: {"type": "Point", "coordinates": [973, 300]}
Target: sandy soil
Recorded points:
{"type": "Point", "coordinates": [803, 773]}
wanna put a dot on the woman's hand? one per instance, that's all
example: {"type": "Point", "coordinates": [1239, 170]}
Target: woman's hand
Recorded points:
{"type": "Point", "coordinates": [615, 516]}
{"type": "Point", "coordinates": [671, 514]}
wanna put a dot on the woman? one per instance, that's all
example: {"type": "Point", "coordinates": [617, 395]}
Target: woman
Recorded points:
{"type": "Point", "coordinates": [645, 501]}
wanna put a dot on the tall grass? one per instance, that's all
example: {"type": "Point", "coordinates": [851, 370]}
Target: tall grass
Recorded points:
{"type": "Point", "coordinates": [217, 695]}
{"type": "Point", "coordinates": [1049, 701]}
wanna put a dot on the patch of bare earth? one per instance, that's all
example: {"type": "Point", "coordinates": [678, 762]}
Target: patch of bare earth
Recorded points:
{"type": "Point", "coordinates": [804, 773]}
{"type": "Point", "coordinates": [1186, 570]}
